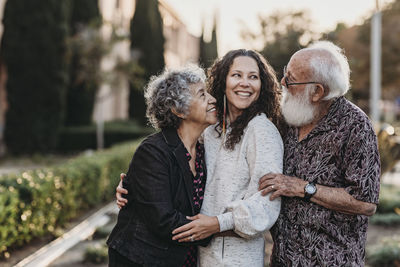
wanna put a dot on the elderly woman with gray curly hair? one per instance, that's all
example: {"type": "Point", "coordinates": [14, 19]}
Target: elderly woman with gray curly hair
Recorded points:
{"type": "Point", "coordinates": [167, 174]}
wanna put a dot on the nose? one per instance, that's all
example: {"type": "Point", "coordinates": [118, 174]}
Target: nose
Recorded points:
{"type": "Point", "coordinates": [244, 82]}
{"type": "Point", "coordinates": [283, 82]}
{"type": "Point", "coordinates": [211, 99]}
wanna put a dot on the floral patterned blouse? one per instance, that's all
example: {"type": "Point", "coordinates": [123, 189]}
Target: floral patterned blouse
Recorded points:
{"type": "Point", "coordinates": [341, 151]}
{"type": "Point", "coordinates": [199, 182]}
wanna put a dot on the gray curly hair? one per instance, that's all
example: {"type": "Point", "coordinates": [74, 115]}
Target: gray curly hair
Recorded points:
{"type": "Point", "coordinates": [170, 91]}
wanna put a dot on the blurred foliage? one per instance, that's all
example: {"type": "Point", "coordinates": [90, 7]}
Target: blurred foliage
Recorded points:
{"type": "Point", "coordinates": [356, 42]}
{"type": "Point", "coordinates": [38, 202]}
{"type": "Point", "coordinates": [281, 35]}
{"type": "Point", "coordinates": [96, 253]}
{"type": "Point", "coordinates": [147, 44]}
{"type": "Point", "coordinates": [389, 199]}
{"type": "Point", "coordinates": [34, 50]}
{"type": "Point", "coordinates": [389, 150]}
{"type": "Point", "coordinates": [386, 219]}
{"type": "Point", "coordinates": [85, 57]}
{"type": "Point", "coordinates": [385, 254]}
{"type": "Point", "coordinates": [78, 138]}
{"type": "Point", "coordinates": [102, 232]}
{"type": "Point", "coordinates": [208, 50]}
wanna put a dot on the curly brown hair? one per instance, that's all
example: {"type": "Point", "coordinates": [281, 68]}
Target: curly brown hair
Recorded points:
{"type": "Point", "coordinates": [267, 102]}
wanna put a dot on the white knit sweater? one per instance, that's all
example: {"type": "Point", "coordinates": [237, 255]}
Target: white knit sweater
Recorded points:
{"type": "Point", "coordinates": [232, 194]}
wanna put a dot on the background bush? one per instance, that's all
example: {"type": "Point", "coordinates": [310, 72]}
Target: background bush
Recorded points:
{"type": "Point", "coordinates": [79, 138]}
{"type": "Point", "coordinates": [386, 254]}
{"type": "Point", "coordinates": [37, 202]}
{"type": "Point", "coordinates": [34, 50]}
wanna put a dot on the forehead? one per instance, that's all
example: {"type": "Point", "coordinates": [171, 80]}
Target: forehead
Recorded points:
{"type": "Point", "coordinates": [245, 64]}
{"type": "Point", "coordinates": [298, 65]}
{"type": "Point", "coordinates": [196, 87]}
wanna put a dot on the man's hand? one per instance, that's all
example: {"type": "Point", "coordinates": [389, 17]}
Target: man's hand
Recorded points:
{"type": "Point", "coordinates": [121, 201]}
{"type": "Point", "coordinates": [202, 226]}
{"type": "Point", "coordinates": [281, 185]}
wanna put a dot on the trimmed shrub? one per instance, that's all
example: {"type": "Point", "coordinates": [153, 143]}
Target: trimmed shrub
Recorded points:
{"type": "Point", "coordinates": [387, 219]}
{"type": "Point", "coordinates": [85, 60]}
{"type": "Point", "coordinates": [147, 42]}
{"type": "Point", "coordinates": [34, 52]}
{"type": "Point", "coordinates": [84, 137]}
{"type": "Point", "coordinates": [37, 202]}
{"type": "Point", "coordinates": [386, 254]}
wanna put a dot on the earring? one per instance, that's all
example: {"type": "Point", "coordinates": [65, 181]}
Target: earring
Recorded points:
{"type": "Point", "coordinates": [224, 118]}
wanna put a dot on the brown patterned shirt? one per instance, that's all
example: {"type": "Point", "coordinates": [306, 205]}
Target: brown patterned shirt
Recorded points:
{"type": "Point", "coordinates": [341, 151]}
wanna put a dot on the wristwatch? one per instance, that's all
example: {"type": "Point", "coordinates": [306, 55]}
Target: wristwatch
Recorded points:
{"type": "Point", "coordinates": [309, 190]}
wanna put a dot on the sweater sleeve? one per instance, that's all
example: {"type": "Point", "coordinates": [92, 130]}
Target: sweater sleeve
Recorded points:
{"type": "Point", "coordinates": [255, 213]}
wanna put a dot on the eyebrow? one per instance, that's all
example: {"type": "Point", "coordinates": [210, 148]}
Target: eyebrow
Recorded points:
{"type": "Point", "coordinates": [242, 71]}
{"type": "Point", "coordinates": [200, 91]}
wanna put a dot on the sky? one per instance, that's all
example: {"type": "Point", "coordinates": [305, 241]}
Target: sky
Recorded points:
{"type": "Point", "coordinates": [234, 14]}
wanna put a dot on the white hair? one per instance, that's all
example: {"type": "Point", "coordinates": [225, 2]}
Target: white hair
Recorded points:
{"type": "Point", "coordinates": [330, 67]}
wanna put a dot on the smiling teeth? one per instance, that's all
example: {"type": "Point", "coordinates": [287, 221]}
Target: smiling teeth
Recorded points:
{"type": "Point", "coordinates": [243, 94]}
{"type": "Point", "coordinates": [213, 109]}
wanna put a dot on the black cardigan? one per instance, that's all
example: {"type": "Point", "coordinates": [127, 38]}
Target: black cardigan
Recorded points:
{"type": "Point", "coordinates": [160, 197]}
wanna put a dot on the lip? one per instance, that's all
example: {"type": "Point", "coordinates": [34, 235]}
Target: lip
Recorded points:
{"type": "Point", "coordinates": [213, 109]}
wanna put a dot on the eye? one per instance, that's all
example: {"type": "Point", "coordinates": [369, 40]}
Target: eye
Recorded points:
{"type": "Point", "coordinates": [236, 75]}
{"type": "Point", "coordinates": [254, 77]}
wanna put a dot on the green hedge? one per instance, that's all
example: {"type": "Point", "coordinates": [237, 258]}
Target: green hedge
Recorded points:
{"type": "Point", "coordinates": [35, 203]}
{"type": "Point", "coordinates": [84, 137]}
{"type": "Point", "coordinates": [386, 254]}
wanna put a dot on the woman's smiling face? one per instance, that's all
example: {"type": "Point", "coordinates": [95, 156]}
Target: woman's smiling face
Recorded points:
{"type": "Point", "coordinates": [243, 85]}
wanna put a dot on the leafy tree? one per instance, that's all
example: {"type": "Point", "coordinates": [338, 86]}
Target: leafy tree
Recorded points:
{"type": "Point", "coordinates": [34, 51]}
{"type": "Point", "coordinates": [85, 62]}
{"type": "Point", "coordinates": [147, 43]}
{"type": "Point", "coordinates": [281, 35]}
{"type": "Point", "coordinates": [356, 42]}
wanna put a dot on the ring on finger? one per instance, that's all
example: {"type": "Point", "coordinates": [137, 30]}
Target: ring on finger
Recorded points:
{"type": "Point", "coordinates": [191, 238]}
{"type": "Point", "coordinates": [272, 186]}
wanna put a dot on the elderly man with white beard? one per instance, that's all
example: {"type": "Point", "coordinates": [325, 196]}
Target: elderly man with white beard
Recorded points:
{"type": "Point", "coordinates": [331, 174]}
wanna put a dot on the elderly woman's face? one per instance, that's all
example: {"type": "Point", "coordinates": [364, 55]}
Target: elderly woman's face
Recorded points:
{"type": "Point", "coordinates": [202, 108]}
{"type": "Point", "coordinates": [243, 84]}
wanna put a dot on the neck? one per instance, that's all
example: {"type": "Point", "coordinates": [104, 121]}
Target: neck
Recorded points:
{"type": "Point", "coordinates": [322, 110]}
{"type": "Point", "coordinates": [233, 113]}
{"type": "Point", "coordinates": [189, 134]}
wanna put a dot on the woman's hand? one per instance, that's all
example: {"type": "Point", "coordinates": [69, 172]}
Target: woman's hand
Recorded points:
{"type": "Point", "coordinates": [202, 226]}
{"type": "Point", "coordinates": [121, 201]}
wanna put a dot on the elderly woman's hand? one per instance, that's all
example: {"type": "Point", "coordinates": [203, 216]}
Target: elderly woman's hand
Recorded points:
{"type": "Point", "coordinates": [202, 226]}
{"type": "Point", "coordinates": [121, 201]}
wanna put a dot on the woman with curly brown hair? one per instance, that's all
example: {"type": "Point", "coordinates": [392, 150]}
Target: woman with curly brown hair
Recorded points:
{"type": "Point", "coordinates": [243, 146]}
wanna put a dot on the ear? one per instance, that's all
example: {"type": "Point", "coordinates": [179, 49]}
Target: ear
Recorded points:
{"type": "Point", "coordinates": [319, 93]}
{"type": "Point", "coordinates": [179, 115]}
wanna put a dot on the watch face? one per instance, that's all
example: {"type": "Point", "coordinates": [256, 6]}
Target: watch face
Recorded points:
{"type": "Point", "coordinates": [310, 189]}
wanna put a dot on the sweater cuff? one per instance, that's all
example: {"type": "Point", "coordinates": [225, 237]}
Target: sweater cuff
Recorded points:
{"type": "Point", "coordinates": [225, 221]}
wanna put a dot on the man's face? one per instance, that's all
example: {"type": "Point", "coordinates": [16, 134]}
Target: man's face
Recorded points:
{"type": "Point", "coordinates": [297, 107]}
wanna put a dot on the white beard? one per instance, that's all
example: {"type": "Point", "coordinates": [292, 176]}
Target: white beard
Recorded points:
{"type": "Point", "coordinates": [297, 110]}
